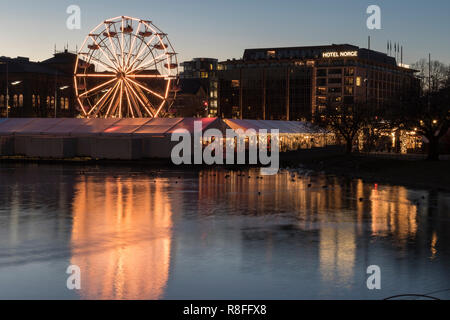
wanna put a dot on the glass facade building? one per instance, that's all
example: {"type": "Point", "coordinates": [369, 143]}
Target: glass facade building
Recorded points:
{"type": "Point", "coordinates": [296, 83]}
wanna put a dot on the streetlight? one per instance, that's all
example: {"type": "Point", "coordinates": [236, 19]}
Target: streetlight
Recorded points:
{"type": "Point", "coordinates": [7, 88]}
{"type": "Point", "coordinates": [56, 95]}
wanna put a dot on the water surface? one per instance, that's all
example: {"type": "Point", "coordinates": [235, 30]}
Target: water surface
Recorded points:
{"type": "Point", "coordinates": [173, 234]}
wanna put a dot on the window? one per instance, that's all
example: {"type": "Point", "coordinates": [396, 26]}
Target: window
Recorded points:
{"type": "Point", "coordinates": [2, 101]}
{"type": "Point", "coordinates": [349, 71]}
{"type": "Point", "coordinates": [336, 99]}
{"type": "Point", "coordinates": [321, 90]}
{"type": "Point", "coordinates": [348, 100]}
{"type": "Point", "coordinates": [358, 81]}
{"type": "Point", "coordinates": [67, 104]}
{"type": "Point", "coordinates": [21, 100]}
{"type": "Point", "coordinates": [335, 71]}
{"type": "Point", "coordinates": [235, 83]}
{"type": "Point", "coordinates": [15, 100]}
{"type": "Point", "coordinates": [335, 90]}
{"type": "Point", "coordinates": [349, 81]}
{"type": "Point", "coordinates": [33, 101]}
{"type": "Point", "coordinates": [348, 91]}
{"type": "Point", "coordinates": [321, 72]}
{"type": "Point", "coordinates": [321, 100]}
{"type": "Point", "coordinates": [335, 81]}
{"type": "Point", "coordinates": [271, 53]}
{"type": "Point", "coordinates": [321, 82]}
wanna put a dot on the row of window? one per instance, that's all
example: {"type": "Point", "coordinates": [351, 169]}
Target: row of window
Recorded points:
{"type": "Point", "coordinates": [323, 91]}
{"type": "Point", "coordinates": [17, 101]}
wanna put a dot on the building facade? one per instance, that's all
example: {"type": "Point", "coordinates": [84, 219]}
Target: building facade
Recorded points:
{"type": "Point", "coordinates": [205, 71]}
{"type": "Point", "coordinates": [296, 83]}
{"type": "Point", "coordinates": [37, 89]}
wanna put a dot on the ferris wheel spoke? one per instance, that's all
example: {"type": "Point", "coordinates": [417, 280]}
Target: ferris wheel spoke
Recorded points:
{"type": "Point", "coordinates": [135, 103]}
{"type": "Point", "coordinates": [145, 99]}
{"type": "Point", "coordinates": [147, 89]}
{"type": "Point", "coordinates": [164, 101]}
{"type": "Point", "coordinates": [104, 54]}
{"type": "Point", "coordinates": [97, 88]}
{"type": "Point", "coordinates": [112, 100]}
{"type": "Point", "coordinates": [138, 98]}
{"type": "Point", "coordinates": [154, 61]}
{"type": "Point", "coordinates": [102, 101]}
{"type": "Point", "coordinates": [120, 99]}
{"type": "Point", "coordinates": [95, 75]}
{"type": "Point", "coordinates": [97, 61]}
{"type": "Point", "coordinates": [147, 45]}
{"type": "Point", "coordinates": [146, 104]}
{"type": "Point", "coordinates": [113, 55]}
{"type": "Point", "coordinates": [132, 44]}
{"type": "Point", "coordinates": [116, 57]}
{"type": "Point", "coordinates": [130, 107]}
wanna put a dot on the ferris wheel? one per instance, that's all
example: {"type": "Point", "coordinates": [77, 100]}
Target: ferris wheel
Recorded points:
{"type": "Point", "coordinates": [126, 68]}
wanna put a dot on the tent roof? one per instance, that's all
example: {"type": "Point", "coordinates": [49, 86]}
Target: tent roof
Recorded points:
{"type": "Point", "coordinates": [158, 126]}
{"type": "Point", "coordinates": [143, 126]}
{"type": "Point", "coordinates": [284, 127]}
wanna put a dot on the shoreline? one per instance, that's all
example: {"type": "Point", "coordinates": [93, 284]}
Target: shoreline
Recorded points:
{"type": "Point", "coordinates": [422, 174]}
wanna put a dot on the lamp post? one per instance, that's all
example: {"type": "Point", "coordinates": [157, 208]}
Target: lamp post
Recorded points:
{"type": "Point", "coordinates": [7, 87]}
{"type": "Point", "coordinates": [7, 90]}
{"type": "Point", "coordinates": [56, 91]}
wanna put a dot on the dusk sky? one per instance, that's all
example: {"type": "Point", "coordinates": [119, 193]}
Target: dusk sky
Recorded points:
{"type": "Point", "coordinates": [223, 29]}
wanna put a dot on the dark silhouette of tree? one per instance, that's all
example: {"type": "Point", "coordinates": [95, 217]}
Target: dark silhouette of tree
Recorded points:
{"type": "Point", "coordinates": [428, 115]}
{"type": "Point", "coordinates": [434, 76]}
{"type": "Point", "coordinates": [347, 121]}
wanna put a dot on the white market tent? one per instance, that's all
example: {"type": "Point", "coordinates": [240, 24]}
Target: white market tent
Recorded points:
{"type": "Point", "coordinates": [132, 138]}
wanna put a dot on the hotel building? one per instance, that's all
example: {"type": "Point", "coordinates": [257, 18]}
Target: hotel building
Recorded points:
{"type": "Point", "coordinates": [296, 83]}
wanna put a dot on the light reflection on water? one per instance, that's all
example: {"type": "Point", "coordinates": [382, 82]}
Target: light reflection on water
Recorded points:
{"type": "Point", "coordinates": [142, 234]}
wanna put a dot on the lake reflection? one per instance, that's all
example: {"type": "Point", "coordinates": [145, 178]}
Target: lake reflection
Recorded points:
{"type": "Point", "coordinates": [214, 234]}
{"type": "Point", "coordinates": [121, 233]}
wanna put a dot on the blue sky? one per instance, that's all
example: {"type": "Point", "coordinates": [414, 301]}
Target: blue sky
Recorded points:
{"type": "Point", "coordinates": [223, 29]}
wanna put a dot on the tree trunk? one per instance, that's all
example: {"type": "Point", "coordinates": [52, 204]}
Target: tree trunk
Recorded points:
{"type": "Point", "coordinates": [433, 149]}
{"type": "Point", "coordinates": [348, 146]}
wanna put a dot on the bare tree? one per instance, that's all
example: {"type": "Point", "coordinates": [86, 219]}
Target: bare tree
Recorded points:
{"type": "Point", "coordinates": [434, 76]}
{"type": "Point", "coordinates": [346, 121]}
{"type": "Point", "coordinates": [428, 115]}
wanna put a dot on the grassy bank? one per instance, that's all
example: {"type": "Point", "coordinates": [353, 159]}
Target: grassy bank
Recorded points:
{"type": "Point", "coordinates": [415, 173]}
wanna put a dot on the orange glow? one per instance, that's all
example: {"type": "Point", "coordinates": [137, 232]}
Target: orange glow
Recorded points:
{"type": "Point", "coordinates": [97, 88]}
{"type": "Point", "coordinates": [137, 96]}
{"type": "Point", "coordinates": [121, 238]}
{"type": "Point", "coordinates": [147, 89]}
{"type": "Point", "coordinates": [102, 99]}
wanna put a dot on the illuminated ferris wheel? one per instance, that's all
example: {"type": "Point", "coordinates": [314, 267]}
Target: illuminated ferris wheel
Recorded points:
{"type": "Point", "coordinates": [126, 68]}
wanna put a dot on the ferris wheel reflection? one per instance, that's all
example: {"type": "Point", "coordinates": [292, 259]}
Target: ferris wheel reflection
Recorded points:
{"type": "Point", "coordinates": [121, 238]}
